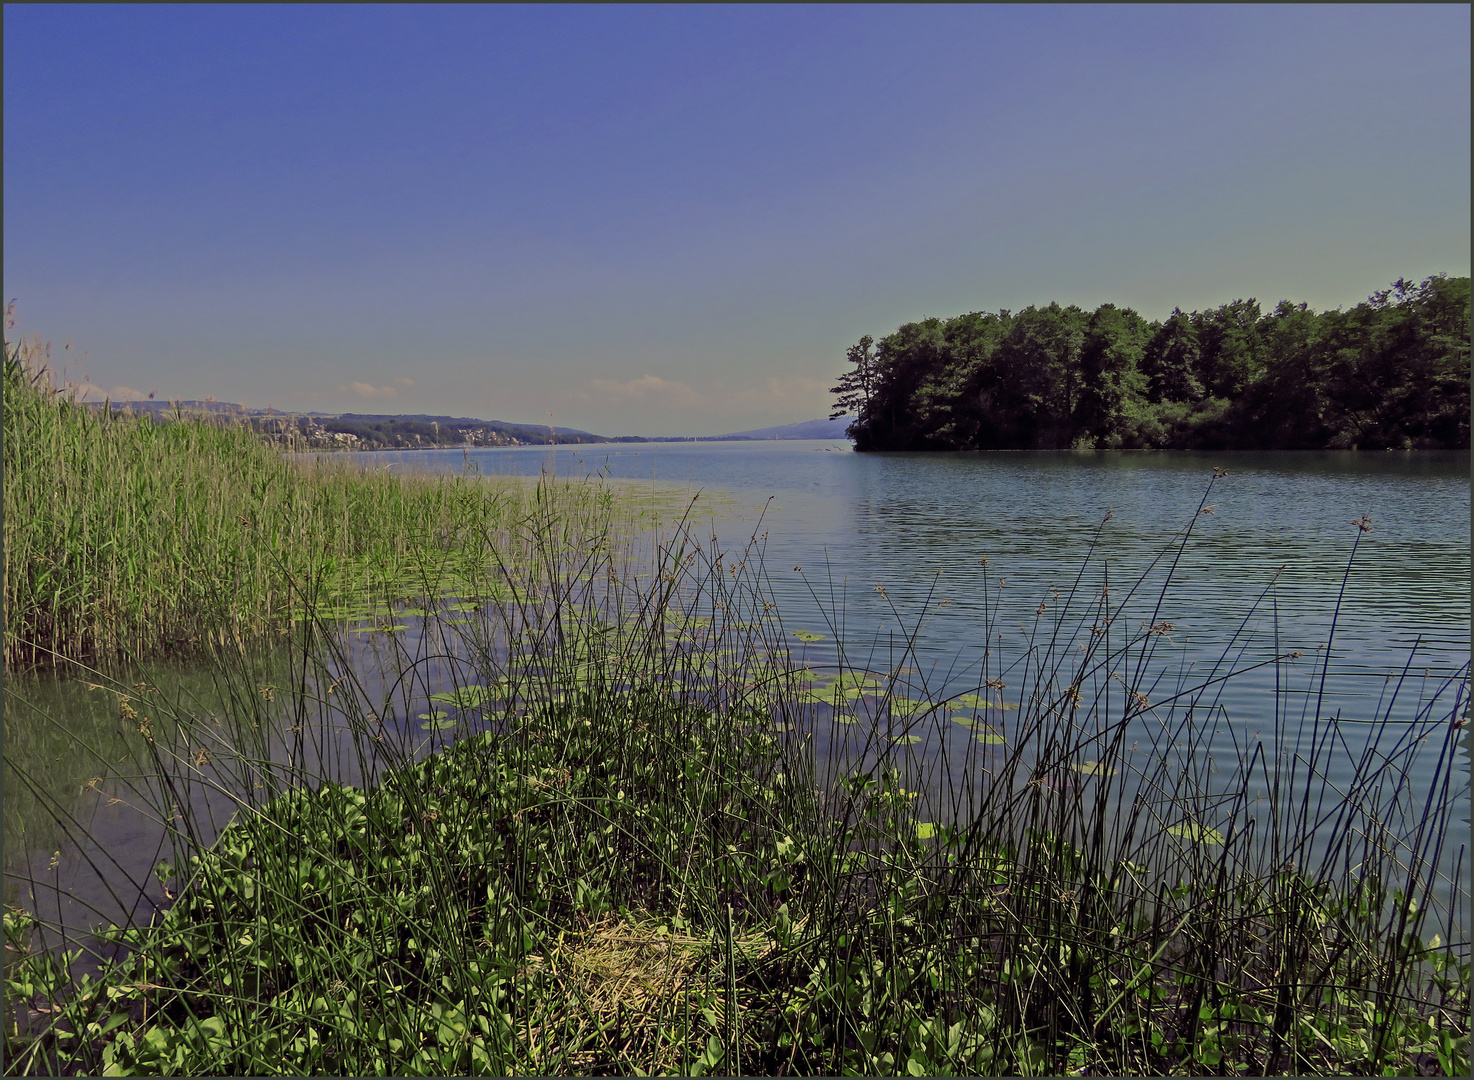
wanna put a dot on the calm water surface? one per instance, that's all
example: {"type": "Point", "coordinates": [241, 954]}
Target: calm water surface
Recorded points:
{"type": "Point", "coordinates": [1286, 520]}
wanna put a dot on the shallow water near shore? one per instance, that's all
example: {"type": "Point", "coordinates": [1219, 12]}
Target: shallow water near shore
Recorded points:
{"type": "Point", "coordinates": [876, 563]}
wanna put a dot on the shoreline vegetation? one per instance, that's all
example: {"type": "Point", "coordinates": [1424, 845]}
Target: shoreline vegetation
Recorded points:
{"type": "Point", "coordinates": [634, 834]}
{"type": "Point", "coordinates": [127, 538]}
{"type": "Point", "coordinates": [1390, 373]}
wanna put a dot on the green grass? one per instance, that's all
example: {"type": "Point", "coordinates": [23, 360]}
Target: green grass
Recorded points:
{"type": "Point", "coordinates": [623, 852]}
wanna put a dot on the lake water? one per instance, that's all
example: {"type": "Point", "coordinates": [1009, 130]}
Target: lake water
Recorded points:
{"type": "Point", "coordinates": [864, 550]}
{"type": "Point", "coordinates": [855, 521]}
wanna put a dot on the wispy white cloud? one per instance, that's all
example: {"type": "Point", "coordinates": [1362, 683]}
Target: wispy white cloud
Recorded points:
{"type": "Point", "coordinates": [368, 390]}
{"type": "Point", "coordinates": [89, 391]}
{"type": "Point", "coordinates": [650, 388]}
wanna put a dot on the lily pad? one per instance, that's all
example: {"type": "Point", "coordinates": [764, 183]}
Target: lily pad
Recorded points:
{"type": "Point", "coordinates": [1198, 834]}
{"type": "Point", "coordinates": [467, 697]}
{"type": "Point", "coordinates": [1093, 768]}
{"type": "Point", "coordinates": [437, 725]}
{"type": "Point", "coordinates": [806, 635]}
{"type": "Point", "coordinates": [990, 738]}
{"type": "Point", "coordinates": [908, 738]}
{"type": "Point", "coordinates": [907, 706]}
{"type": "Point", "coordinates": [977, 701]}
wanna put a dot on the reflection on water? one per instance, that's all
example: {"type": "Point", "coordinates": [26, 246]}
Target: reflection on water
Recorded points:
{"type": "Point", "coordinates": [854, 521]}
{"type": "Point", "coordinates": [971, 538]}
{"type": "Point", "coordinates": [80, 799]}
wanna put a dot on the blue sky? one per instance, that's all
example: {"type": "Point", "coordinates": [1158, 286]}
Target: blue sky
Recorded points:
{"type": "Point", "coordinates": [673, 220]}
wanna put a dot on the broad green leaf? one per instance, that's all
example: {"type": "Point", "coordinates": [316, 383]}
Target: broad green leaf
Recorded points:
{"type": "Point", "coordinates": [907, 706]}
{"type": "Point", "coordinates": [1198, 834]}
{"type": "Point", "coordinates": [976, 701]}
{"type": "Point", "coordinates": [468, 697]}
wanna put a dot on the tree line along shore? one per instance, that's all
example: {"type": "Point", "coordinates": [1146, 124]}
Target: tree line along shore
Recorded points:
{"type": "Point", "coordinates": [1390, 373]}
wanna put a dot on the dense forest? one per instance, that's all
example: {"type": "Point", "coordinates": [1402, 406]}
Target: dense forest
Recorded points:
{"type": "Point", "coordinates": [1390, 372]}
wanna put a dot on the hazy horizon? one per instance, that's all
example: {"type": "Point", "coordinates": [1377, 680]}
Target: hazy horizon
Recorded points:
{"type": "Point", "coordinates": [674, 220]}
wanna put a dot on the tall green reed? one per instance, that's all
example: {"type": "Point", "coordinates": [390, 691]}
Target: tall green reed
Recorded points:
{"type": "Point", "coordinates": [126, 537]}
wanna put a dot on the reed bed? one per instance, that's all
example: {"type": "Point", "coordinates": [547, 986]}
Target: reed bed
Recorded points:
{"type": "Point", "coordinates": [632, 835]}
{"type": "Point", "coordinates": [127, 538]}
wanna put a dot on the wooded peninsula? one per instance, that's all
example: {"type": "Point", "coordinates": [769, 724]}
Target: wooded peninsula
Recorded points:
{"type": "Point", "coordinates": [1391, 372]}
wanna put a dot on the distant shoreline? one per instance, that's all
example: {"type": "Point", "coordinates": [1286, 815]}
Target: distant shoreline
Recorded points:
{"type": "Point", "coordinates": [419, 431]}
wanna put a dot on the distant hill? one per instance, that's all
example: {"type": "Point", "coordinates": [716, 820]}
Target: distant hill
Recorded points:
{"type": "Point", "coordinates": [159, 407]}
{"type": "Point", "coordinates": [380, 431]}
{"type": "Point", "coordinates": [806, 429]}
{"type": "Point", "coordinates": [367, 431]}
{"type": "Point", "coordinates": [455, 430]}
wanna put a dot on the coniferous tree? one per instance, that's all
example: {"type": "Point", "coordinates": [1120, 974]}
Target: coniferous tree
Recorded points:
{"type": "Point", "coordinates": [852, 395]}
